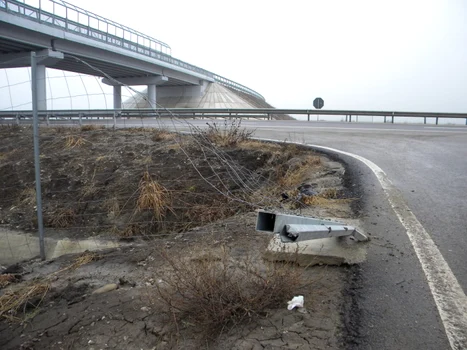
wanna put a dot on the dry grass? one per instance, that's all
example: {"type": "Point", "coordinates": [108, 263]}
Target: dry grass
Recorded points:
{"type": "Point", "coordinates": [153, 196]}
{"type": "Point", "coordinates": [27, 196]}
{"type": "Point", "coordinates": [218, 291]}
{"type": "Point", "coordinates": [30, 296]}
{"type": "Point", "coordinates": [330, 193]}
{"type": "Point", "coordinates": [159, 134]}
{"type": "Point", "coordinates": [112, 206]}
{"type": "Point", "coordinates": [82, 259]}
{"type": "Point", "coordinates": [61, 218]}
{"type": "Point", "coordinates": [137, 130]}
{"type": "Point", "coordinates": [6, 279]}
{"type": "Point", "coordinates": [101, 158]}
{"type": "Point", "coordinates": [323, 202]}
{"type": "Point", "coordinates": [92, 127]}
{"type": "Point", "coordinates": [74, 141]}
{"type": "Point", "coordinates": [297, 175]}
{"type": "Point", "coordinates": [206, 213]}
{"type": "Point", "coordinates": [62, 129]}
{"type": "Point", "coordinates": [254, 145]}
{"type": "Point", "coordinates": [229, 134]}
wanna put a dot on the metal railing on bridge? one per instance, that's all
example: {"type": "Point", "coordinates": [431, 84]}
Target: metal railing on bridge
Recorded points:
{"type": "Point", "coordinates": [68, 17]}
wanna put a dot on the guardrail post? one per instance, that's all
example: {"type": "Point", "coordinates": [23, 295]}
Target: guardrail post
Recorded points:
{"type": "Point", "coordinates": [308, 116]}
{"type": "Point", "coordinates": [350, 118]}
{"type": "Point", "coordinates": [17, 119]}
{"type": "Point", "coordinates": [47, 120]}
{"type": "Point", "coordinates": [437, 120]}
{"type": "Point", "coordinates": [465, 121]}
{"type": "Point", "coordinates": [424, 120]}
{"type": "Point", "coordinates": [384, 119]}
{"type": "Point", "coordinates": [115, 120]}
{"type": "Point", "coordinates": [392, 121]}
{"type": "Point", "coordinates": [80, 120]}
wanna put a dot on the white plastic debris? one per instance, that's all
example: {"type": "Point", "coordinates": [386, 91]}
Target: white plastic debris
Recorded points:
{"type": "Point", "coordinates": [297, 301]}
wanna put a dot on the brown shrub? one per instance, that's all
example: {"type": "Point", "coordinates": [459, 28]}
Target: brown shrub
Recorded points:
{"type": "Point", "coordinates": [215, 292]}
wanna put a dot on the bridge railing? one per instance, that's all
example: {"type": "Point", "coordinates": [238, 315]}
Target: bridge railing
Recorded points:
{"type": "Point", "coordinates": [71, 18]}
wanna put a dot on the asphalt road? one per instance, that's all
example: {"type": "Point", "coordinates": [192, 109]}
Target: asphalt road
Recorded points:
{"type": "Point", "coordinates": [390, 303]}
{"type": "Point", "coordinates": [393, 303]}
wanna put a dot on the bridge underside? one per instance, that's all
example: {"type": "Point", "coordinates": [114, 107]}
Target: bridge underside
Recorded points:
{"type": "Point", "coordinates": [17, 55]}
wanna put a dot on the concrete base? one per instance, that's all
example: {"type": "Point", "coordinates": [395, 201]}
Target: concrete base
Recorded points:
{"type": "Point", "coordinates": [327, 251]}
{"type": "Point", "coordinates": [18, 246]}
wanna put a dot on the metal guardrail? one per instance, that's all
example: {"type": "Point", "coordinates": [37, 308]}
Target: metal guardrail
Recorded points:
{"type": "Point", "coordinates": [259, 113]}
{"type": "Point", "coordinates": [63, 15]}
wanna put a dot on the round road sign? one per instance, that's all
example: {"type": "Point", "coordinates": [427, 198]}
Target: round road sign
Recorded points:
{"type": "Point", "coordinates": [318, 103]}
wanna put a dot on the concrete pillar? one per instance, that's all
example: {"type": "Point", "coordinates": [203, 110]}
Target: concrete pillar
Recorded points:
{"type": "Point", "coordinates": [117, 97]}
{"type": "Point", "coordinates": [41, 87]}
{"type": "Point", "coordinates": [152, 96]}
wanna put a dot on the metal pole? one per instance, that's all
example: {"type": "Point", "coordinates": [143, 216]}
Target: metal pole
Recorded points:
{"type": "Point", "coordinates": [40, 224]}
{"type": "Point", "coordinates": [437, 120]}
{"type": "Point", "coordinates": [424, 120]}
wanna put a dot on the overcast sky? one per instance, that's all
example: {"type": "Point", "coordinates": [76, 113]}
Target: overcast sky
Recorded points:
{"type": "Point", "coordinates": [396, 55]}
{"type": "Point", "coordinates": [375, 55]}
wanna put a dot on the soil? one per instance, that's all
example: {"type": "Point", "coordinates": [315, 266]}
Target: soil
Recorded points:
{"type": "Point", "coordinates": [92, 184]}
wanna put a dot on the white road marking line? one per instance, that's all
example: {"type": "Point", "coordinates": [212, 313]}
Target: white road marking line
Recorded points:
{"type": "Point", "coordinates": [449, 297]}
{"type": "Point", "coordinates": [458, 128]}
{"type": "Point", "coordinates": [273, 127]}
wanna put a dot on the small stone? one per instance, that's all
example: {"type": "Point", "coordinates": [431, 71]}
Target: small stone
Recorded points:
{"type": "Point", "coordinates": [90, 342]}
{"type": "Point", "coordinates": [106, 288]}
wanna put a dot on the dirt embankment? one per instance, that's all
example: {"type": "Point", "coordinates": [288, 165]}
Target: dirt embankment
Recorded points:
{"type": "Point", "coordinates": [190, 199]}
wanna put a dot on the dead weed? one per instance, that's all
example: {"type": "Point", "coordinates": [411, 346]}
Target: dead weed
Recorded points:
{"type": "Point", "coordinates": [74, 141]}
{"type": "Point", "coordinates": [61, 218]}
{"type": "Point", "coordinates": [215, 293]}
{"type": "Point", "coordinates": [92, 127]}
{"type": "Point", "coordinates": [154, 196]}
{"type": "Point", "coordinates": [23, 299]}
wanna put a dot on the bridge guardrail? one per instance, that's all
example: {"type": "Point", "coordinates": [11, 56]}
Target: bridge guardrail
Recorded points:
{"type": "Point", "coordinates": [71, 18]}
{"type": "Point", "coordinates": [260, 113]}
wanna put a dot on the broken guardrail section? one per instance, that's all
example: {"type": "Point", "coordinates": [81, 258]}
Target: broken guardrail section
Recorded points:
{"type": "Point", "coordinates": [293, 228]}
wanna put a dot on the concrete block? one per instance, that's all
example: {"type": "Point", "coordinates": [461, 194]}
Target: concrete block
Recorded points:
{"type": "Point", "coordinates": [327, 251]}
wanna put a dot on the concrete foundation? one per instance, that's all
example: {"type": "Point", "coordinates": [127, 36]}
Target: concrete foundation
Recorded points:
{"type": "Point", "coordinates": [19, 246]}
{"type": "Point", "coordinates": [327, 251]}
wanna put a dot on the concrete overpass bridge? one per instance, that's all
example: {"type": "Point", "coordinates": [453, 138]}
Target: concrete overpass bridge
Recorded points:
{"type": "Point", "coordinates": [69, 38]}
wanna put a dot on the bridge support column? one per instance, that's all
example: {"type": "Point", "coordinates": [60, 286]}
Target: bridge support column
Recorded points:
{"type": "Point", "coordinates": [152, 96]}
{"type": "Point", "coordinates": [41, 88]}
{"type": "Point", "coordinates": [117, 97]}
